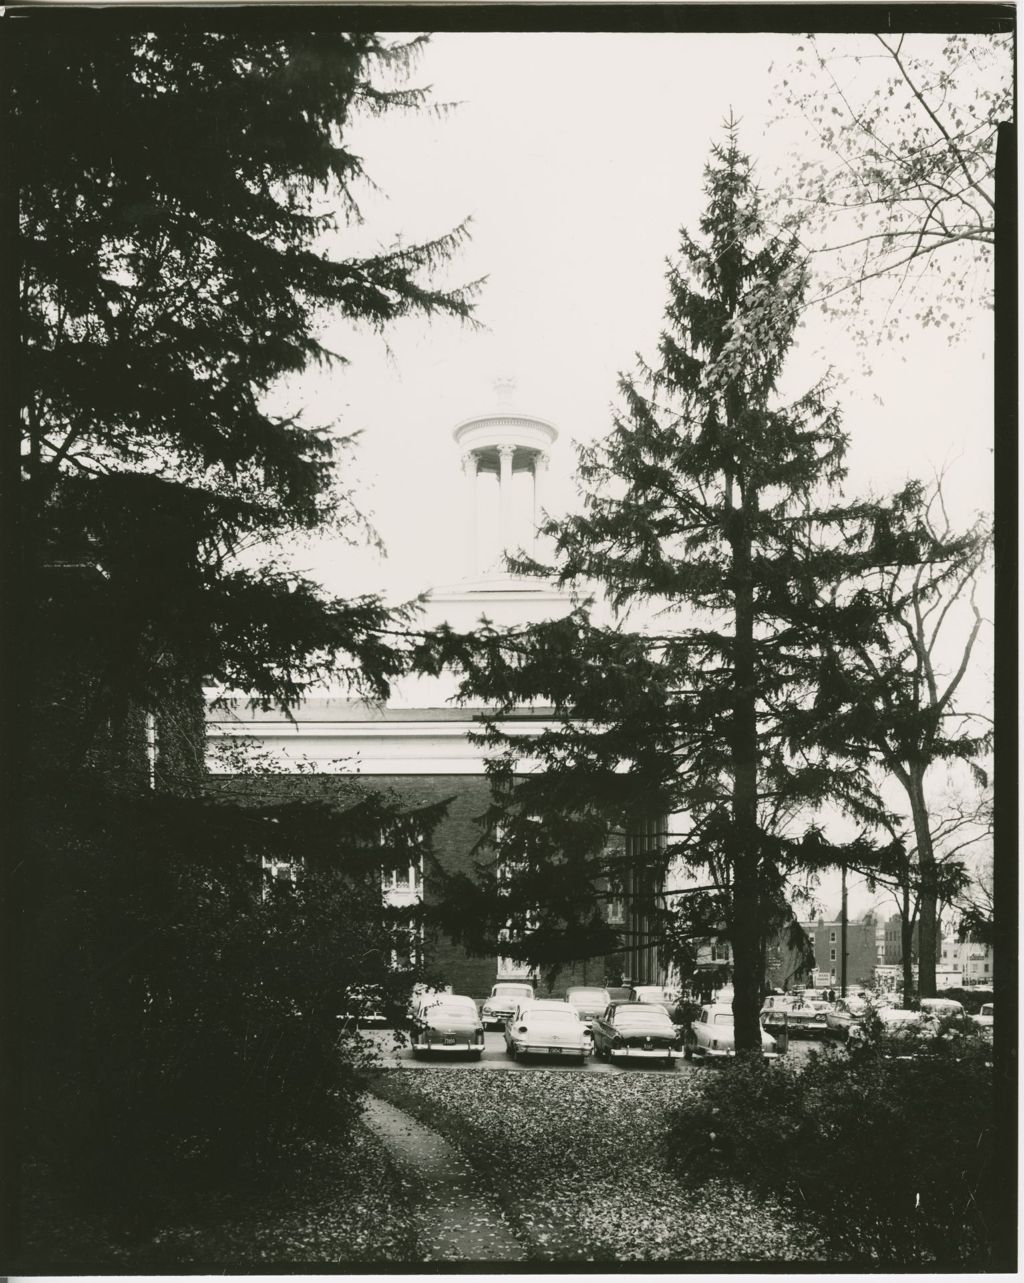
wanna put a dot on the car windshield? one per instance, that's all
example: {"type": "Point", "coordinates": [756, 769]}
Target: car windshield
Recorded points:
{"type": "Point", "coordinates": [512, 991]}
{"type": "Point", "coordinates": [987, 1008]}
{"type": "Point", "coordinates": [588, 996]}
{"type": "Point", "coordinates": [722, 1018]}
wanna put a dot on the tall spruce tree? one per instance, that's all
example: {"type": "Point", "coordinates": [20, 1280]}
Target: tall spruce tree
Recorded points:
{"type": "Point", "coordinates": [708, 506]}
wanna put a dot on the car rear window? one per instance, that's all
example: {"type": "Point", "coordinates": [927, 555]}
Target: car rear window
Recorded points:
{"type": "Point", "coordinates": [547, 1016]}
{"type": "Point", "coordinates": [642, 1015]}
{"type": "Point", "coordinates": [512, 991]}
{"type": "Point", "coordinates": [722, 1018]}
{"type": "Point", "coordinates": [454, 1008]}
{"type": "Point", "coordinates": [588, 995]}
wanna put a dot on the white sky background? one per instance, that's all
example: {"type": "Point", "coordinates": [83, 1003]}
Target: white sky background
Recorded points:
{"type": "Point", "coordinates": [578, 157]}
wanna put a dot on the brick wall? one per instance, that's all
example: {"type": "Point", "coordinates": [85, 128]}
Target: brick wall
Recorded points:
{"type": "Point", "coordinates": [467, 797]}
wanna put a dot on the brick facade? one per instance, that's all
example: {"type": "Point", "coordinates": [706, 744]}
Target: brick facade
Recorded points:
{"type": "Point", "coordinates": [467, 798]}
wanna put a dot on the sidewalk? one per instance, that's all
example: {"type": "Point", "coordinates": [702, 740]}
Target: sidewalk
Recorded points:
{"type": "Point", "coordinates": [456, 1222]}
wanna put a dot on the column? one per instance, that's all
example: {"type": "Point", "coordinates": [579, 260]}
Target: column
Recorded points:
{"type": "Point", "coordinates": [472, 538]}
{"type": "Point", "coordinates": [540, 476]}
{"type": "Point", "coordinates": [505, 453]}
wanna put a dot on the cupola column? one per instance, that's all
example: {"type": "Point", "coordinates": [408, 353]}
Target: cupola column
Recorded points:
{"type": "Point", "coordinates": [540, 476]}
{"type": "Point", "coordinates": [469, 469]}
{"type": "Point", "coordinates": [505, 532]}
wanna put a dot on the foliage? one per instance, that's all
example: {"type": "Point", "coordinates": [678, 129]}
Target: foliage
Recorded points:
{"type": "Point", "coordinates": [899, 190]}
{"type": "Point", "coordinates": [338, 1201]}
{"type": "Point", "coordinates": [896, 702]}
{"type": "Point", "coordinates": [575, 1160]}
{"type": "Point", "coordinates": [892, 1157]}
{"type": "Point", "coordinates": [184, 198]}
{"type": "Point", "coordinates": [183, 1010]}
{"type": "Point", "coordinates": [711, 505]}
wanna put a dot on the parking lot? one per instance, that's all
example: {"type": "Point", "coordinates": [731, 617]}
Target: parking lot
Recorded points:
{"type": "Point", "coordinates": [397, 1054]}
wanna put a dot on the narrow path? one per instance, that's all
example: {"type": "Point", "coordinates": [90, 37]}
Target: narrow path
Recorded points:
{"type": "Point", "coordinates": [455, 1221]}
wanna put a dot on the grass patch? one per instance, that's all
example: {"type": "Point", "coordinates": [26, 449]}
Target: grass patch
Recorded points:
{"type": "Point", "coordinates": [338, 1204]}
{"type": "Point", "coordinates": [577, 1162]}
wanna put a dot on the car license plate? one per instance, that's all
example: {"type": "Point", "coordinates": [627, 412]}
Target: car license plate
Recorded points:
{"type": "Point", "coordinates": [556, 1051]}
{"type": "Point", "coordinates": [449, 1040]}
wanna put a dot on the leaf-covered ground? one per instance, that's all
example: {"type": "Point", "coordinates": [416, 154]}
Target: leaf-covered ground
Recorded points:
{"type": "Point", "coordinates": [342, 1204]}
{"type": "Point", "coordinates": [577, 1162]}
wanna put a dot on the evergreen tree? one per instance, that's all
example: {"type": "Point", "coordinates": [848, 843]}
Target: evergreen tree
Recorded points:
{"type": "Point", "coordinates": [183, 199]}
{"type": "Point", "coordinates": [709, 506]}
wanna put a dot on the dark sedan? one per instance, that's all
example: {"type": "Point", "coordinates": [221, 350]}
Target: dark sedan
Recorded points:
{"type": "Point", "coordinates": [637, 1031]}
{"type": "Point", "coordinates": [447, 1023]}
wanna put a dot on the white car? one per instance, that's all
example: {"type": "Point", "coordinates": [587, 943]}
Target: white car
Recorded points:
{"type": "Point", "coordinates": [502, 1002]}
{"type": "Point", "coordinates": [939, 1007]}
{"type": "Point", "coordinates": [985, 1017]}
{"type": "Point", "coordinates": [527, 1005]}
{"type": "Point", "coordinates": [798, 1016]}
{"type": "Point", "coordinates": [845, 1015]}
{"type": "Point", "coordinates": [712, 1036]}
{"type": "Point", "coordinates": [648, 993]}
{"type": "Point", "coordinates": [542, 1030]}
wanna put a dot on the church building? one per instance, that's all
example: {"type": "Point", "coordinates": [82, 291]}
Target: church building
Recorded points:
{"type": "Point", "coordinates": [418, 744]}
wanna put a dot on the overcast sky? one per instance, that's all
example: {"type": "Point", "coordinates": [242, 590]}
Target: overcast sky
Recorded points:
{"type": "Point", "coordinates": [578, 157]}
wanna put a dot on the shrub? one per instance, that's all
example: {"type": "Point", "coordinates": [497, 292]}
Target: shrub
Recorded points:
{"type": "Point", "coordinates": [893, 1156]}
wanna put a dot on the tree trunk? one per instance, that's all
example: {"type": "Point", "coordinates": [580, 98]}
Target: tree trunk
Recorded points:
{"type": "Point", "coordinates": [907, 947]}
{"type": "Point", "coordinates": [928, 913]}
{"type": "Point", "coordinates": [748, 970]}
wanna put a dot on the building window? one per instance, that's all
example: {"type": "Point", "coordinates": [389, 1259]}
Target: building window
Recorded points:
{"type": "Point", "coordinates": [279, 871]}
{"type": "Point", "coordinates": [831, 955]}
{"type": "Point", "coordinates": [407, 951]}
{"type": "Point", "coordinates": [831, 937]}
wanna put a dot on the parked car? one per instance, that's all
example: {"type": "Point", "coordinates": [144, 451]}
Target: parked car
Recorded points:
{"type": "Point", "coordinates": [801, 1017]}
{"type": "Point", "coordinates": [363, 1006]}
{"type": "Point", "coordinates": [712, 1036]}
{"type": "Point", "coordinates": [528, 1005]}
{"type": "Point", "coordinates": [447, 1023]}
{"type": "Point", "coordinates": [502, 1002]}
{"type": "Point", "coordinates": [548, 1029]}
{"type": "Point", "coordinates": [420, 994]}
{"type": "Point", "coordinates": [847, 1013]}
{"type": "Point", "coordinates": [590, 1003]}
{"type": "Point", "coordinates": [985, 1017]}
{"type": "Point", "coordinates": [938, 1007]}
{"type": "Point", "coordinates": [896, 1024]}
{"type": "Point", "coordinates": [647, 993]}
{"type": "Point", "coordinates": [636, 1031]}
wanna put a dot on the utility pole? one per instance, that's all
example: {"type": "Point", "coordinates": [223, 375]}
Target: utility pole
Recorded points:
{"type": "Point", "coordinates": [842, 939]}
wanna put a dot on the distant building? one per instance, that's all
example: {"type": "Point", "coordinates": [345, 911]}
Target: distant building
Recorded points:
{"type": "Point", "coordinates": [970, 962]}
{"type": "Point", "coordinates": [891, 943]}
{"type": "Point", "coordinates": [861, 950]}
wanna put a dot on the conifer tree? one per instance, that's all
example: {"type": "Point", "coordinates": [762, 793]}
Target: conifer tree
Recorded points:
{"type": "Point", "coordinates": [710, 506]}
